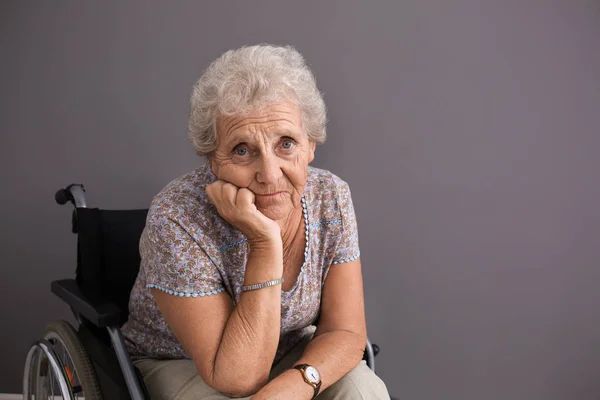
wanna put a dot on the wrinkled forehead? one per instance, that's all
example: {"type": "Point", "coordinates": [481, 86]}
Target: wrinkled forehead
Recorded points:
{"type": "Point", "coordinates": [280, 118]}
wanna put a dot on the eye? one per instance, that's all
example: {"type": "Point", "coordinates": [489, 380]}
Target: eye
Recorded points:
{"type": "Point", "coordinates": [287, 144]}
{"type": "Point", "coordinates": [240, 151]}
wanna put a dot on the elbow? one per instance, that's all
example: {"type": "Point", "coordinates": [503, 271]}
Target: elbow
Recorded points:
{"type": "Point", "coordinates": [234, 384]}
{"type": "Point", "coordinates": [239, 389]}
{"type": "Point", "coordinates": [358, 338]}
{"type": "Point", "coordinates": [361, 345]}
{"type": "Point", "coordinates": [362, 339]}
{"type": "Point", "coordinates": [357, 343]}
{"type": "Point", "coordinates": [236, 389]}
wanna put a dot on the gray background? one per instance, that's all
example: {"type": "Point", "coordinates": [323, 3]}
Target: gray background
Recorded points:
{"type": "Point", "coordinates": [468, 130]}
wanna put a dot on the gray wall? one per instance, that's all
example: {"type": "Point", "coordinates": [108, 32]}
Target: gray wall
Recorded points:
{"type": "Point", "coordinates": [469, 132]}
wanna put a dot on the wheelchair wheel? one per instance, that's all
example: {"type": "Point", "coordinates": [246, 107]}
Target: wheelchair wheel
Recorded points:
{"type": "Point", "coordinates": [72, 366]}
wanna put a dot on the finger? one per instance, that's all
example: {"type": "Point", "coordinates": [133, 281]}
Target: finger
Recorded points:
{"type": "Point", "coordinates": [229, 193]}
{"type": "Point", "coordinates": [213, 190]}
{"type": "Point", "coordinates": [245, 197]}
{"type": "Point", "coordinates": [210, 192]}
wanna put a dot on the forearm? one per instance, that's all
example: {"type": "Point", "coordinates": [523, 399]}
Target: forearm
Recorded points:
{"type": "Point", "coordinates": [334, 354]}
{"type": "Point", "coordinates": [288, 385]}
{"type": "Point", "coordinates": [251, 335]}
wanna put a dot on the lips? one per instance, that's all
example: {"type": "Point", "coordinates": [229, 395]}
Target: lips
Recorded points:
{"type": "Point", "coordinates": [269, 195]}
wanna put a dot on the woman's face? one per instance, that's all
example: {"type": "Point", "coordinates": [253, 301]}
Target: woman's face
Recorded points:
{"type": "Point", "coordinates": [268, 152]}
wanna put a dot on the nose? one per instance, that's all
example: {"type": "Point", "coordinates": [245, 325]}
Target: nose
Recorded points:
{"type": "Point", "coordinates": [269, 171]}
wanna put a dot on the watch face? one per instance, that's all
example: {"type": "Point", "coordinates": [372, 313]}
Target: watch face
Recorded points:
{"type": "Point", "coordinates": [312, 374]}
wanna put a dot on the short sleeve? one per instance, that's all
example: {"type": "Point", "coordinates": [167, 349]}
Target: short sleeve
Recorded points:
{"type": "Point", "coordinates": [347, 248]}
{"type": "Point", "coordinates": [175, 262]}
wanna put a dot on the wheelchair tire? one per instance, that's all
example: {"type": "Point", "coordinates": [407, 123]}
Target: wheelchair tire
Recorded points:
{"type": "Point", "coordinates": [78, 367]}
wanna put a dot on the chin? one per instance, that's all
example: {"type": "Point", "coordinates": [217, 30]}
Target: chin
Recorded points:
{"type": "Point", "coordinates": [274, 213]}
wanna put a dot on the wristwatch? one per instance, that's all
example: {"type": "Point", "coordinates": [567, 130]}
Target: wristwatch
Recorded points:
{"type": "Point", "coordinates": [311, 376]}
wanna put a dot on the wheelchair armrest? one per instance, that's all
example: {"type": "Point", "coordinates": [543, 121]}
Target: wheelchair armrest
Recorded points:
{"type": "Point", "coordinates": [101, 315]}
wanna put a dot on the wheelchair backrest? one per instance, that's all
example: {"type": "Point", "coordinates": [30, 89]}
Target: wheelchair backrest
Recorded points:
{"type": "Point", "coordinates": [108, 258]}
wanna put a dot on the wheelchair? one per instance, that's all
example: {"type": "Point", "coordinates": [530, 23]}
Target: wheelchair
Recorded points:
{"type": "Point", "coordinates": [91, 360]}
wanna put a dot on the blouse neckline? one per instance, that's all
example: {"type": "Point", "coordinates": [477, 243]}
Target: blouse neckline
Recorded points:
{"type": "Point", "coordinates": [306, 249]}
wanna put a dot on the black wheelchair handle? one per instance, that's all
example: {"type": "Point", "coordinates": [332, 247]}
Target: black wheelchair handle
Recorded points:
{"type": "Point", "coordinates": [375, 349]}
{"type": "Point", "coordinates": [62, 197]}
{"type": "Point", "coordinates": [74, 193]}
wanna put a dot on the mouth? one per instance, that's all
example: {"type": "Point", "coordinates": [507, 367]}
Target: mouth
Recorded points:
{"type": "Point", "coordinates": [269, 195]}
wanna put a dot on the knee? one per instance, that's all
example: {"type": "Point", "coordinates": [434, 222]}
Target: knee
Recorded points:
{"type": "Point", "coordinates": [360, 383]}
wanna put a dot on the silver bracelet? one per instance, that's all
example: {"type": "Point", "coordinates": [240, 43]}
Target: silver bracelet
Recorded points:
{"type": "Point", "coordinates": [262, 285]}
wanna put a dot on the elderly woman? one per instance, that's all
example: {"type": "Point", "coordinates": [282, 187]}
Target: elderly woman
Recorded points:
{"type": "Point", "coordinates": [243, 256]}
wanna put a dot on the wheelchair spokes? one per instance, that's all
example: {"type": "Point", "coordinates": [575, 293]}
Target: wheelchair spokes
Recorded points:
{"type": "Point", "coordinates": [69, 370]}
{"type": "Point", "coordinates": [58, 367]}
{"type": "Point", "coordinates": [44, 374]}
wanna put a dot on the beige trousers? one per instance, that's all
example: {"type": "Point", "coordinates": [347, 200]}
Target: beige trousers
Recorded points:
{"type": "Point", "coordinates": [179, 380]}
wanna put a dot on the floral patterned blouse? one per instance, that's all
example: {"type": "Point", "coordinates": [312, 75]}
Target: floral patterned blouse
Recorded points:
{"type": "Point", "coordinates": [188, 250]}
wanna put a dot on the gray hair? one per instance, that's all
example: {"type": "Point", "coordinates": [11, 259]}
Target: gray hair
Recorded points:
{"type": "Point", "coordinates": [250, 77]}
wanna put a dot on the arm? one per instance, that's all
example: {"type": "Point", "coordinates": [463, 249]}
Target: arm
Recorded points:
{"type": "Point", "coordinates": [233, 347]}
{"type": "Point", "coordinates": [340, 339]}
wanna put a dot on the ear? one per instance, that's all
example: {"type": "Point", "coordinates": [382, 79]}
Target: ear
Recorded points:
{"type": "Point", "coordinates": [311, 151]}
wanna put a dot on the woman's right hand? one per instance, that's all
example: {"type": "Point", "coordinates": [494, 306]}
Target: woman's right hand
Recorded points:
{"type": "Point", "coordinates": [236, 206]}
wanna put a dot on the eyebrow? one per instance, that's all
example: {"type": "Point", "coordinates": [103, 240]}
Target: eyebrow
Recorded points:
{"type": "Point", "coordinates": [249, 137]}
{"type": "Point", "coordinates": [239, 137]}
